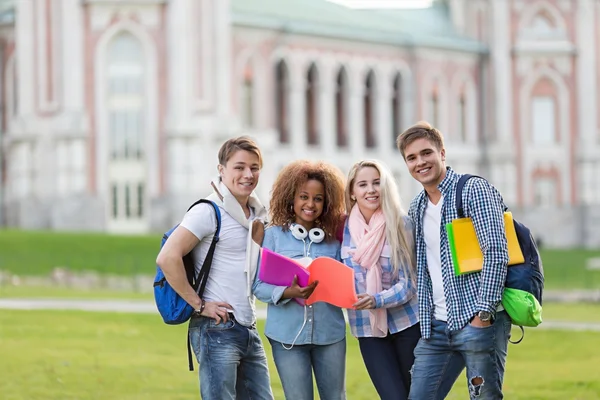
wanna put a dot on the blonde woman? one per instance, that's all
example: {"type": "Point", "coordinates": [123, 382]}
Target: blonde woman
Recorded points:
{"type": "Point", "coordinates": [378, 245]}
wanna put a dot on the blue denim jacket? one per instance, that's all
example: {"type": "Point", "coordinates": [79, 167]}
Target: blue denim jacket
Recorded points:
{"type": "Point", "coordinates": [325, 323]}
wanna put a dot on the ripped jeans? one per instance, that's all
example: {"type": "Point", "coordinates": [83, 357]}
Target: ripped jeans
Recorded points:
{"type": "Point", "coordinates": [440, 359]}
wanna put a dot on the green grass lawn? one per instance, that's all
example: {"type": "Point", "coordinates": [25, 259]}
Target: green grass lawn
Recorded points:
{"type": "Point", "coordinates": [9, 291]}
{"type": "Point", "coordinates": [37, 253]}
{"type": "Point", "coordinates": [76, 355]}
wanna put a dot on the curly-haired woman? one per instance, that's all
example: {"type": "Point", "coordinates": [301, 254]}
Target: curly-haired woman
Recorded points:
{"type": "Point", "coordinates": [307, 204]}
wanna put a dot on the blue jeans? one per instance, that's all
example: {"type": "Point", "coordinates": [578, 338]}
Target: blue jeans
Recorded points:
{"type": "Point", "coordinates": [440, 359]}
{"type": "Point", "coordinates": [295, 368]}
{"type": "Point", "coordinates": [389, 360]}
{"type": "Point", "coordinates": [232, 360]}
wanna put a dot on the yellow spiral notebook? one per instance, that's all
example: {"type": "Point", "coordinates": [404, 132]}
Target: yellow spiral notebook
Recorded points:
{"type": "Point", "coordinates": [464, 246]}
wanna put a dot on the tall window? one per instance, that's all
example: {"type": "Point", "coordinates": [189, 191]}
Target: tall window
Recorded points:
{"type": "Point", "coordinates": [126, 107]}
{"type": "Point", "coordinates": [247, 97]}
{"type": "Point", "coordinates": [369, 110]}
{"type": "Point", "coordinates": [545, 192]}
{"type": "Point", "coordinates": [590, 183]}
{"type": "Point", "coordinates": [396, 109]}
{"type": "Point", "coordinates": [126, 98]}
{"type": "Point", "coordinates": [281, 101]}
{"type": "Point", "coordinates": [543, 120]}
{"type": "Point", "coordinates": [341, 107]}
{"type": "Point", "coordinates": [22, 169]}
{"type": "Point", "coordinates": [312, 123]}
{"type": "Point", "coordinates": [71, 167]}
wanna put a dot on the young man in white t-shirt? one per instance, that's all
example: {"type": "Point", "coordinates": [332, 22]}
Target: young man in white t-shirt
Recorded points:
{"type": "Point", "coordinates": [462, 323]}
{"type": "Point", "coordinates": [223, 328]}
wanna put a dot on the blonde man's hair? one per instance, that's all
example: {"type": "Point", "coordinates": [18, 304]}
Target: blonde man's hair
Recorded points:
{"type": "Point", "coordinates": [230, 147]}
{"type": "Point", "coordinates": [420, 130]}
{"type": "Point", "coordinates": [400, 241]}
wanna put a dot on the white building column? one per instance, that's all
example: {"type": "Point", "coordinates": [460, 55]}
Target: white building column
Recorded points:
{"type": "Point", "coordinates": [72, 56]}
{"type": "Point", "coordinates": [384, 116]}
{"type": "Point", "coordinates": [501, 70]}
{"type": "Point", "coordinates": [24, 56]}
{"type": "Point", "coordinates": [178, 41]}
{"type": "Point", "coordinates": [356, 117]}
{"type": "Point", "coordinates": [587, 83]}
{"type": "Point", "coordinates": [297, 109]}
{"type": "Point", "coordinates": [327, 117]}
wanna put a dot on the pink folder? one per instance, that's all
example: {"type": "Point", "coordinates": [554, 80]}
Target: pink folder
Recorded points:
{"type": "Point", "coordinates": [336, 280]}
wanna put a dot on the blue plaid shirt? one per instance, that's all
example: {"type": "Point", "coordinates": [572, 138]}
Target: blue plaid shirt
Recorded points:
{"type": "Point", "coordinates": [398, 295]}
{"type": "Point", "coordinates": [465, 294]}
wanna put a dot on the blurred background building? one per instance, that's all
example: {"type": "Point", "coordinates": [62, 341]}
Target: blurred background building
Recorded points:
{"type": "Point", "coordinates": [113, 111]}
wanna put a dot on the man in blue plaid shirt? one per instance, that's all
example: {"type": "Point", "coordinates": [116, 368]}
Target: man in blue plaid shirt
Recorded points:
{"type": "Point", "coordinates": [462, 321]}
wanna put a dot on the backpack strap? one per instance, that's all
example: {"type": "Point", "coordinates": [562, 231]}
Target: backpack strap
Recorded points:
{"type": "Point", "coordinates": [459, 188]}
{"type": "Point", "coordinates": [200, 280]}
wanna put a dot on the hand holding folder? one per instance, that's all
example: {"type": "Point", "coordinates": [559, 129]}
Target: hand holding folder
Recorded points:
{"type": "Point", "coordinates": [466, 254]}
{"type": "Point", "coordinates": [336, 280]}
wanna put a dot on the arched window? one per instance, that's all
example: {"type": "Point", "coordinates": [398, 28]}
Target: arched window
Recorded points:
{"type": "Point", "coordinates": [312, 100]}
{"type": "Point", "coordinates": [544, 113]}
{"type": "Point", "coordinates": [281, 101]}
{"type": "Point", "coordinates": [341, 107]}
{"type": "Point", "coordinates": [369, 110]}
{"type": "Point", "coordinates": [396, 109]}
{"type": "Point", "coordinates": [127, 111]}
{"type": "Point", "coordinates": [126, 97]}
{"type": "Point", "coordinates": [247, 97]}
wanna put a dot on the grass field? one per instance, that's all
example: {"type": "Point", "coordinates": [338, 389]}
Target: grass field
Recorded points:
{"type": "Point", "coordinates": [48, 355]}
{"type": "Point", "coordinates": [37, 253]}
{"type": "Point", "coordinates": [579, 312]}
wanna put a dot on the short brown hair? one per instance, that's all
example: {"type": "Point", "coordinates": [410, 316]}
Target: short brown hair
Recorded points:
{"type": "Point", "coordinates": [294, 175]}
{"type": "Point", "coordinates": [239, 143]}
{"type": "Point", "coordinates": [420, 130]}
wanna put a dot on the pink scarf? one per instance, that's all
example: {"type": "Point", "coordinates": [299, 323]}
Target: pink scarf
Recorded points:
{"type": "Point", "coordinates": [369, 240]}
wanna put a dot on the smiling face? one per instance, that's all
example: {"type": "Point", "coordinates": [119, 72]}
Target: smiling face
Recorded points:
{"type": "Point", "coordinates": [240, 174]}
{"type": "Point", "coordinates": [308, 203]}
{"type": "Point", "coordinates": [367, 191]}
{"type": "Point", "coordinates": [425, 162]}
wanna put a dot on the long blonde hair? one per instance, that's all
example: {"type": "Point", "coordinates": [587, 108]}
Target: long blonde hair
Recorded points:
{"type": "Point", "coordinates": [400, 241]}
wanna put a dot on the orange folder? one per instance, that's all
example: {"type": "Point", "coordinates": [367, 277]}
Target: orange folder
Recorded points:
{"type": "Point", "coordinates": [336, 280]}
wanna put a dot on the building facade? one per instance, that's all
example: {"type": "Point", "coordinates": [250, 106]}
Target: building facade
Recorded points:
{"type": "Point", "coordinates": [113, 112]}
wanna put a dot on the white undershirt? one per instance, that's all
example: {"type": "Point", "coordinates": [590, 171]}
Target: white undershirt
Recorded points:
{"type": "Point", "coordinates": [431, 229]}
{"type": "Point", "coordinates": [227, 279]}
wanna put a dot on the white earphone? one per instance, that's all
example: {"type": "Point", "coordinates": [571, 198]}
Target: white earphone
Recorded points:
{"type": "Point", "coordinates": [315, 235]}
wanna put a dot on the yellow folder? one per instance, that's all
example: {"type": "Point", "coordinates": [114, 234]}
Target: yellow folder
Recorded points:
{"type": "Point", "coordinates": [466, 253]}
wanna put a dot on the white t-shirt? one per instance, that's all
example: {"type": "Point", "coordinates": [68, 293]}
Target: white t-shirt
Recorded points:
{"type": "Point", "coordinates": [431, 230]}
{"type": "Point", "coordinates": [226, 280]}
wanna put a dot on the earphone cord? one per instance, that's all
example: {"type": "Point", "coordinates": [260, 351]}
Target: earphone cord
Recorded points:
{"type": "Point", "coordinates": [306, 253]}
{"type": "Point", "coordinates": [300, 331]}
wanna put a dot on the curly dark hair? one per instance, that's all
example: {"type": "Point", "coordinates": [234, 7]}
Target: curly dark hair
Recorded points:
{"type": "Point", "coordinates": [294, 175]}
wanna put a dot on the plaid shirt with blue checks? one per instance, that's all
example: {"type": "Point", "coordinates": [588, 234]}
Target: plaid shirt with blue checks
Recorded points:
{"type": "Point", "coordinates": [465, 294]}
{"type": "Point", "coordinates": [398, 296]}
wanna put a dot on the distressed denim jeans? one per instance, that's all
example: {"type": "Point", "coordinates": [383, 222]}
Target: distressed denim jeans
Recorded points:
{"type": "Point", "coordinates": [440, 359]}
{"type": "Point", "coordinates": [233, 364]}
{"type": "Point", "coordinates": [296, 366]}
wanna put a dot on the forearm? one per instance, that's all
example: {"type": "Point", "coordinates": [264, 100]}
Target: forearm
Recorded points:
{"type": "Point", "coordinates": [174, 271]}
{"type": "Point", "coordinates": [269, 294]}
{"type": "Point", "coordinates": [493, 277]}
{"type": "Point", "coordinates": [401, 293]}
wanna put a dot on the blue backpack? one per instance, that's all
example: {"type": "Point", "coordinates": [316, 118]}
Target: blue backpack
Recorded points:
{"type": "Point", "coordinates": [522, 297]}
{"type": "Point", "coordinates": [173, 309]}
